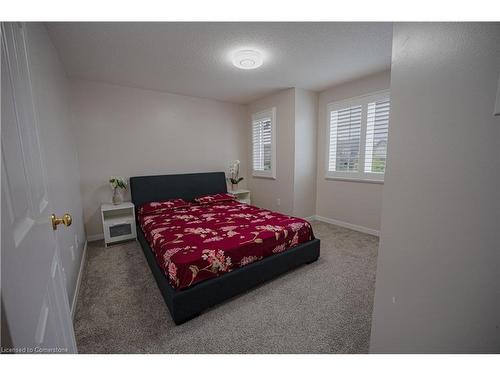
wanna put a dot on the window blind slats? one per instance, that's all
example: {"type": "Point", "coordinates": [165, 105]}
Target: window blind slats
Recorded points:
{"type": "Point", "coordinates": [262, 144]}
{"type": "Point", "coordinates": [377, 128]}
{"type": "Point", "coordinates": [345, 135]}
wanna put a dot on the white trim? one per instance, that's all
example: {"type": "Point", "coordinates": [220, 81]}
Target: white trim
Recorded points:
{"type": "Point", "coordinates": [360, 98]}
{"type": "Point", "coordinates": [268, 177]}
{"type": "Point", "coordinates": [344, 224]}
{"type": "Point", "coordinates": [79, 281]}
{"type": "Point", "coordinates": [365, 180]}
{"type": "Point", "coordinates": [95, 237]}
{"type": "Point", "coordinates": [310, 218]}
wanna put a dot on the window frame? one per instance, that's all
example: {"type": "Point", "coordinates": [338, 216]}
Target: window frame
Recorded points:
{"type": "Point", "coordinates": [360, 175]}
{"type": "Point", "coordinates": [267, 113]}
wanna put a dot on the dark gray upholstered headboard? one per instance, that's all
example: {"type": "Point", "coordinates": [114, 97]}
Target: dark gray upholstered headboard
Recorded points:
{"type": "Point", "coordinates": [170, 186]}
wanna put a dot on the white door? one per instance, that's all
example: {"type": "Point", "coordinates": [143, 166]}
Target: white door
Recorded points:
{"type": "Point", "coordinates": [34, 298]}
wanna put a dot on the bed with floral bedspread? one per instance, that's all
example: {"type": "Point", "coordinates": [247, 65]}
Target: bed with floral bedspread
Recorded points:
{"type": "Point", "coordinates": [198, 242]}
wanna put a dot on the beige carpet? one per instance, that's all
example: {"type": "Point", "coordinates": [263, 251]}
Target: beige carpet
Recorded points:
{"type": "Point", "coordinates": [324, 307]}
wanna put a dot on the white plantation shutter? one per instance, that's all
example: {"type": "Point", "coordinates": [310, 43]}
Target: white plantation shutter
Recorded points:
{"type": "Point", "coordinates": [263, 149]}
{"type": "Point", "coordinates": [357, 137]}
{"type": "Point", "coordinates": [377, 130]}
{"type": "Point", "coordinates": [262, 144]}
{"type": "Point", "coordinates": [345, 135]}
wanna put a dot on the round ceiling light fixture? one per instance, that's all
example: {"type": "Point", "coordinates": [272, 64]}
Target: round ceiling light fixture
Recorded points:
{"type": "Point", "coordinates": [247, 59]}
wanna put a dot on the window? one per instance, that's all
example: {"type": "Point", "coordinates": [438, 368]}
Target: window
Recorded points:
{"type": "Point", "coordinates": [377, 127]}
{"type": "Point", "coordinates": [357, 137]}
{"type": "Point", "coordinates": [345, 135]}
{"type": "Point", "coordinates": [264, 144]}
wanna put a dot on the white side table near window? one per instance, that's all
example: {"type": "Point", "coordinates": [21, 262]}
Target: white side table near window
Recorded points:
{"type": "Point", "coordinates": [118, 222]}
{"type": "Point", "coordinates": [242, 195]}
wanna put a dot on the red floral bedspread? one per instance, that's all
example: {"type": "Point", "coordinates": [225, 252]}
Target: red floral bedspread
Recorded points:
{"type": "Point", "coordinates": [196, 243]}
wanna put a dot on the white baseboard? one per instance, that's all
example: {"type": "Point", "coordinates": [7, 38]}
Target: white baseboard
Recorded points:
{"type": "Point", "coordinates": [344, 224]}
{"type": "Point", "coordinates": [95, 237]}
{"type": "Point", "coordinates": [78, 281]}
{"type": "Point", "coordinates": [309, 218]}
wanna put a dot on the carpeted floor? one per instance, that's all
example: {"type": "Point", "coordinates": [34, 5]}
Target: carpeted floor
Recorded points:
{"type": "Point", "coordinates": [324, 307]}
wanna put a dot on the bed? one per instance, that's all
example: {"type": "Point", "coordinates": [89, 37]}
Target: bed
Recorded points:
{"type": "Point", "coordinates": [203, 254]}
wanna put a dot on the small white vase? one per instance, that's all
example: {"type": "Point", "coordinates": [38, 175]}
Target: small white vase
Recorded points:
{"type": "Point", "coordinates": [117, 196]}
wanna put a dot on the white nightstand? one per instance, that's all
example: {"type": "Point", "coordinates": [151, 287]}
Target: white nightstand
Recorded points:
{"type": "Point", "coordinates": [242, 195]}
{"type": "Point", "coordinates": [118, 222]}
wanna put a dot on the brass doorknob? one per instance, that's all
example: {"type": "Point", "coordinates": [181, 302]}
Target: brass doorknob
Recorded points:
{"type": "Point", "coordinates": [66, 220]}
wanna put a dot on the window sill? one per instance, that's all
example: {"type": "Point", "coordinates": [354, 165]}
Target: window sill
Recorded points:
{"type": "Point", "coordinates": [263, 176]}
{"type": "Point", "coordinates": [351, 179]}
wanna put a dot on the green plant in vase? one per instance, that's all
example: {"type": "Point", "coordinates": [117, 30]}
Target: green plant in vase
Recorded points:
{"type": "Point", "coordinates": [117, 184]}
{"type": "Point", "coordinates": [234, 174]}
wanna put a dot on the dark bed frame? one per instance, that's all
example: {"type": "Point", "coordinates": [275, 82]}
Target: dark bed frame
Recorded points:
{"type": "Point", "coordinates": [188, 303]}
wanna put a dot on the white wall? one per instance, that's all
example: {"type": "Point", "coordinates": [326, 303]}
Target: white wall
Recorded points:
{"type": "Point", "coordinates": [265, 191]}
{"type": "Point", "coordinates": [296, 122]}
{"type": "Point", "coordinates": [306, 124]}
{"type": "Point", "coordinates": [439, 255]}
{"type": "Point", "coordinates": [51, 94]}
{"type": "Point", "coordinates": [129, 132]}
{"type": "Point", "coordinates": [357, 203]}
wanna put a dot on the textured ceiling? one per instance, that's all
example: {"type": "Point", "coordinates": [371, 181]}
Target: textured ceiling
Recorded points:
{"type": "Point", "coordinates": [192, 58]}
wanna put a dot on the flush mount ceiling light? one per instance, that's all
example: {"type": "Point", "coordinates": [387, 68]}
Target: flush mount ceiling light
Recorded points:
{"type": "Point", "coordinates": [247, 59]}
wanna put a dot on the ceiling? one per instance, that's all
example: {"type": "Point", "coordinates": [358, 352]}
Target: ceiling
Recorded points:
{"type": "Point", "coordinates": [193, 58]}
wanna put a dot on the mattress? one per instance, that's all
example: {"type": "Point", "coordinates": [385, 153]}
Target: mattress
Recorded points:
{"type": "Point", "coordinates": [199, 242]}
